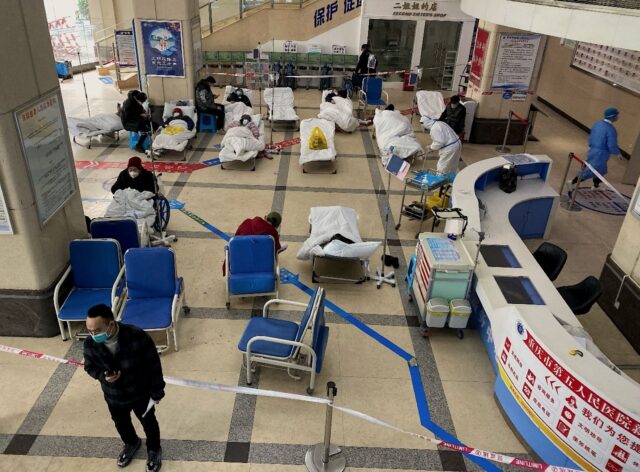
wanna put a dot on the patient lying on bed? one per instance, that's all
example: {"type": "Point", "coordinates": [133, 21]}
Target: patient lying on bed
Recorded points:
{"type": "Point", "coordinates": [338, 108]}
{"type": "Point", "coordinates": [245, 120]}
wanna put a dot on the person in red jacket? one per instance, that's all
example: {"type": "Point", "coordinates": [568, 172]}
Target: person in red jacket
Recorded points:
{"type": "Point", "coordinates": [267, 225]}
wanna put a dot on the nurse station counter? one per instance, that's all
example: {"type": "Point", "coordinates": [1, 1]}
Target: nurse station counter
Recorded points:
{"type": "Point", "coordinates": [572, 409]}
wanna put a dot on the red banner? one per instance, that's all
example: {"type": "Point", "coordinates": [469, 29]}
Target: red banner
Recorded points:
{"type": "Point", "coordinates": [168, 167]}
{"type": "Point", "coordinates": [479, 55]}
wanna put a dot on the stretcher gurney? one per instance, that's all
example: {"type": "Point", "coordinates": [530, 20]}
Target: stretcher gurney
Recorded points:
{"type": "Point", "coordinates": [317, 146]}
{"type": "Point", "coordinates": [176, 136]}
{"type": "Point", "coordinates": [335, 246]}
{"type": "Point", "coordinates": [104, 124]}
{"type": "Point", "coordinates": [280, 106]}
{"type": "Point", "coordinates": [393, 132]}
{"type": "Point", "coordinates": [240, 147]}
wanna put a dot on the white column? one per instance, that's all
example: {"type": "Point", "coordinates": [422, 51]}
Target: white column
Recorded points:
{"type": "Point", "coordinates": [417, 44]}
{"type": "Point", "coordinates": [464, 49]}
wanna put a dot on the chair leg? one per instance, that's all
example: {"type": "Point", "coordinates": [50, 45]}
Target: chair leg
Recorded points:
{"type": "Point", "coordinates": [175, 337]}
{"type": "Point", "coordinates": [69, 329]}
{"type": "Point", "coordinates": [312, 380]}
{"type": "Point", "coordinates": [248, 368]}
{"type": "Point", "coordinates": [62, 328]}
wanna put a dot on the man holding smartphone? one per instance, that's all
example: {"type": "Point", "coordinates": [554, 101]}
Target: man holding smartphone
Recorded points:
{"type": "Point", "coordinates": [125, 361]}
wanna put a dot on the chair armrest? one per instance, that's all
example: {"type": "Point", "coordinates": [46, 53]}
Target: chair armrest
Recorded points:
{"type": "Point", "coordinates": [361, 93]}
{"type": "Point", "coordinates": [303, 346]}
{"type": "Point", "coordinates": [273, 301]}
{"type": "Point", "coordinates": [387, 96]}
{"type": "Point", "coordinates": [179, 286]}
{"type": "Point", "coordinates": [116, 283]}
{"type": "Point", "coordinates": [56, 292]}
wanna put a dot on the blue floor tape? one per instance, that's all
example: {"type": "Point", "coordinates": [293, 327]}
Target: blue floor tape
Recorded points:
{"type": "Point", "coordinates": [416, 379]}
{"type": "Point", "coordinates": [212, 162]}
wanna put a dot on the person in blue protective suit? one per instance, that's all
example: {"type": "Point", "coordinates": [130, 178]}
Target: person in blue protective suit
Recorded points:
{"type": "Point", "coordinates": [603, 142]}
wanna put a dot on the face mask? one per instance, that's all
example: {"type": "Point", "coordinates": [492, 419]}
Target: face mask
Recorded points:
{"type": "Point", "coordinates": [134, 174]}
{"type": "Point", "coordinates": [101, 337]}
{"type": "Point", "coordinates": [176, 115]}
{"type": "Point", "coordinates": [245, 122]}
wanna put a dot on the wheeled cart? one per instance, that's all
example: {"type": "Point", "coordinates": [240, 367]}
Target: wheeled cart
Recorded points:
{"type": "Point", "coordinates": [443, 273]}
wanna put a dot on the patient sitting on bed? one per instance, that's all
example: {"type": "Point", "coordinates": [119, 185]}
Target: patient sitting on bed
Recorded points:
{"type": "Point", "coordinates": [245, 120]}
{"type": "Point", "coordinates": [178, 115]}
{"type": "Point", "coordinates": [267, 225]}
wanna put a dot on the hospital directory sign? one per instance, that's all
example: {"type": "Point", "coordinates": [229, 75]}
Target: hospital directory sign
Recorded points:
{"type": "Point", "coordinates": [47, 153]}
{"type": "Point", "coordinates": [163, 49]}
{"type": "Point", "coordinates": [515, 61]}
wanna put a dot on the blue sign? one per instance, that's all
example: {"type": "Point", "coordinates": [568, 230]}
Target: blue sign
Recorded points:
{"type": "Point", "coordinates": [507, 95]}
{"type": "Point", "coordinates": [162, 46]}
{"type": "Point", "coordinates": [326, 14]}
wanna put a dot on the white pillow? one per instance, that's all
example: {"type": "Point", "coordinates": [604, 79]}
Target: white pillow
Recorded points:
{"type": "Point", "coordinates": [363, 250]}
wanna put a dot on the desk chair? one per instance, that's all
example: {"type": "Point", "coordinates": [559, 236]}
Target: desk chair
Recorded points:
{"type": "Point", "coordinates": [551, 259]}
{"type": "Point", "coordinates": [581, 296]}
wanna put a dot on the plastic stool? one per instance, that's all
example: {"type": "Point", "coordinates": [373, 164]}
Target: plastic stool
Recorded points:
{"type": "Point", "coordinates": [134, 136]}
{"type": "Point", "coordinates": [207, 122]}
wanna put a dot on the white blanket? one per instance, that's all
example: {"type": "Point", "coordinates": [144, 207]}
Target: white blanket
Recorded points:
{"type": "Point", "coordinates": [280, 104]}
{"type": "Point", "coordinates": [328, 128]}
{"type": "Point", "coordinates": [99, 124]}
{"type": "Point", "coordinates": [233, 112]}
{"type": "Point", "coordinates": [239, 143]}
{"type": "Point", "coordinates": [174, 137]}
{"type": "Point", "coordinates": [340, 112]}
{"type": "Point", "coordinates": [394, 131]}
{"type": "Point", "coordinates": [130, 202]}
{"type": "Point", "coordinates": [231, 88]}
{"type": "Point", "coordinates": [430, 104]}
{"type": "Point", "coordinates": [327, 222]}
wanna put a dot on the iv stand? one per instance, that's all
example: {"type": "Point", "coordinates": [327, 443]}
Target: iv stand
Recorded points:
{"type": "Point", "coordinates": [380, 276]}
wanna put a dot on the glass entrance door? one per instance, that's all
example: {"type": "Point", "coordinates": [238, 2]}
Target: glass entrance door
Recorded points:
{"type": "Point", "coordinates": [439, 54]}
{"type": "Point", "coordinates": [392, 43]}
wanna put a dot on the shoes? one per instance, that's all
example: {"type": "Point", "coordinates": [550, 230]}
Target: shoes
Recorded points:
{"type": "Point", "coordinates": [140, 149]}
{"type": "Point", "coordinates": [128, 451]}
{"type": "Point", "coordinates": [154, 460]}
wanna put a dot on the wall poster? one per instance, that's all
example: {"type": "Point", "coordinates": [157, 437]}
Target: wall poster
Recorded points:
{"type": "Point", "coordinates": [126, 48]}
{"type": "Point", "coordinates": [46, 150]}
{"type": "Point", "coordinates": [5, 220]}
{"type": "Point", "coordinates": [479, 55]}
{"type": "Point", "coordinates": [620, 67]}
{"type": "Point", "coordinates": [162, 46]}
{"type": "Point", "coordinates": [515, 61]}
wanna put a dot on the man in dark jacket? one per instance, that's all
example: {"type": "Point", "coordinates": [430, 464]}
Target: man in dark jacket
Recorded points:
{"type": "Point", "coordinates": [136, 177]}
{"type": "Point", "coordinates": [205, 101]}
{"type": "Point", "coordinates": [135, 118]}
{"type": "Point", "coordinates": [124, 359]}
{"type": "Point", "coordinates": [455, 115]}
{"type": "Point", "coordinates": [361, 67]}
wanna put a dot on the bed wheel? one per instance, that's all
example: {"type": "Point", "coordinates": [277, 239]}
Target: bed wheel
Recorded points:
{"type": "Point", "coordinates": [460, 334]}
{"type": "Point", "coordinates": [424, 332]}
{"type": "Point", "coordinates": [254, 169]}
{"type": "Point", "coordinates": [304, 171]}
{"type": "Point", "coordinates": [410, 298]}
{"type": "Point", "coordinates": [398, 226]}
{"type": "Point", "coordinates": [186, 310]}
{"type": "Point", "coordinates": [335, 172]}
{"type": "Point", "coordinates": [228, 305]}
{"type": "Point", "coordinates": [309, 391]}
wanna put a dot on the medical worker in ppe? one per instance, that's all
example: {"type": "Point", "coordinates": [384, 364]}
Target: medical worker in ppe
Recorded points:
{"type": "Point", "coordinates": [603, 142]}
{"type": "Point", "coordinates": [446, 142]}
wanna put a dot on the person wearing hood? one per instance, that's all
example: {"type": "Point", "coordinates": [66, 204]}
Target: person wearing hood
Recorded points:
{"type": "Point", "coordinates": [446, 141]}
{"type": "Point", "coordinates": [205, 101]}
{"type": "Point", "coordinates": [177, 114]}
{"type": "Point", "coordinates": [603, 143]}
{"type": "Point", "coordinates": [136, 177]}
{"type": "Point", "coordinates": [455, 115]}
{"type": "Point", "coordinates": [134, 117]}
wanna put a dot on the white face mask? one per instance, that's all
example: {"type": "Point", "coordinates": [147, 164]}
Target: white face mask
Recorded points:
{"type": "Point", "coordinates": [245, 122]}
{"type": "Point", "coordinates": [134, 173]}
{"type": "Point", "coordinates": [176, 115]}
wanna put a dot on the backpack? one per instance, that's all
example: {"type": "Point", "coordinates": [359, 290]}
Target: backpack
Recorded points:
{"type": "Point", "coordinates": [372, 62]}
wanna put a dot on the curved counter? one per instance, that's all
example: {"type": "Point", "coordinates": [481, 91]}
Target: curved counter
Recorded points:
{"type": "Point", "coordinates": [570, 408]}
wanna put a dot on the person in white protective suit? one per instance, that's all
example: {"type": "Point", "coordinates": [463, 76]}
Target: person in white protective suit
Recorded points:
{"type": "Point", "coordinates": [446, 142]}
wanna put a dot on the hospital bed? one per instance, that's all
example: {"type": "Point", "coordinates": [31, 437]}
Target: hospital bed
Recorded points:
{"type": "Point", "coordinates": [280, 107]}
{"type": "Point", "coordinates": [104, 124]}
{"type": "Point", "coordinates": [234, 110]}
{"type": "Point", "coordinates": [319, 134]}
{"type": "Point", "coordinates": [335, 246]}
{"type": "Point", "coordinates": [341, 112]}
{"type": "Point", "coordinates": [393, 131]}
{"type": "Point", "coordinates": [175, 137]}
{"type": "Point", "coordinates": [239, 147]}
{"type": "Point", "coordinates": [430, 104]}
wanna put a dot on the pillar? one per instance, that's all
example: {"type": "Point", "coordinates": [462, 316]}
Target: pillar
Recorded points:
{"type": "Point", "coordinates": [163, 89]}
{"type": "Point", "coordinates": [494, 104]}
{"type": "Point", "coordinates": [37, 253]}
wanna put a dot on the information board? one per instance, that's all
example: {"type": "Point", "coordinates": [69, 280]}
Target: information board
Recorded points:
{"type": "Point", "coordinates": [515, 61]}
{"type": "Point", "coordinates": [125, 47]}
{"type": "Point", "coordinates": [5, 221]}
{"type": "Point", "coordinates": [567, 410]}
{"type": "Point", "coordinates": [620, 67]}
{"type": "Point", "coordinates": [46, 150]}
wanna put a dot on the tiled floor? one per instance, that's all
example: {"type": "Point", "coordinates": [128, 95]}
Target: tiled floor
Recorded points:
{"type": "Point", "coordinates": [53, 418]}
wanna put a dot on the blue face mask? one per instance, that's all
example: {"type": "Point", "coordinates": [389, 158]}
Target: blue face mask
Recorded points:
{"type": "Point", "coordinates": [100, 337]}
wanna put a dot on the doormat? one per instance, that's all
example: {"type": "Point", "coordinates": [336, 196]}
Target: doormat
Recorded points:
{"type": "Point", "coordinates": [602, 200]}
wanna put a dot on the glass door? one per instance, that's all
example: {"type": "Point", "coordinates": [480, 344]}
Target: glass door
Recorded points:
{"type": "Point", "coordinates": [439, 54]}
{"type": "Point", "coordinates": [392, 43]}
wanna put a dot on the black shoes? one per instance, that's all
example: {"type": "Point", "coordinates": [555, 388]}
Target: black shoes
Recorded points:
{"type": "Point", "coordinates": [140, 149]}
{"type": "Point", "coordinates": [154, 460]}
{"type": "Point", "coordinates": [128, 451]}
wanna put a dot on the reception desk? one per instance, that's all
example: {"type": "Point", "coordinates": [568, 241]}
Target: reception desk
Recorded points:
{"type": "Point", "coordinates": [570, 408]}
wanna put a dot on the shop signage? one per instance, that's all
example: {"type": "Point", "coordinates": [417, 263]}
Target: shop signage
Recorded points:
{"type": "Point", "coordinates": [515, 61]}
{"type": "Point", "coordinates": [422, 9]}
{"type": "Point", "coordinates": [326, 14]}
{"type": "Point", "coordinates": [45, 145]}
{"type": "Point", "coordinates": [162, 46]}
{"type": "Point", "coordinates": [125, 48]}
{"type": "Point", "coordinates": [479, 54]}
{"type": "Point", "coordinates": [599, 434]}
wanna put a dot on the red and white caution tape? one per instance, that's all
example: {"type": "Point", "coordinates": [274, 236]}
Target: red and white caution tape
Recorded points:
{"type": "Point", "coordinates": [501, 458]}
{"type": "Point", "coordinates": [283, 144]}
{"type": "Point", "coordinates": [601, 177]}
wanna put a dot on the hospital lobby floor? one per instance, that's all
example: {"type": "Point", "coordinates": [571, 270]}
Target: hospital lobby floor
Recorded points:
{"type": "Point", "coordinates": [54, 418]}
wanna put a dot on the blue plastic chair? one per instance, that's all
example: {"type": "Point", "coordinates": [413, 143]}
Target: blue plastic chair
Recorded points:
{"type": "Point", "coordinates": [276, 342]}
{"type": "Point", "coordinates": [95, 265]}
{"type": "Point", "coordinates": [251, 267]}
{"type": "Point", "coordinates": [124, 230]}
{"type": "Point", "coordinates": [134, 136]}
{"type": "Point", "coordinates": [371, 93]}
{"type": "Point", "coordinates": [207, 122]}
{"type": "Point", "coordinates": [155, 294]}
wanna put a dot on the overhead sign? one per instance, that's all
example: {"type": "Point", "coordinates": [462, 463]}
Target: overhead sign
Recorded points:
{"type": "Point", "coordinates": [162, 46]}
{"type": "Point", "coordinates": [48, 156]}
{"type": "Point", "coordinates": [479, 55]}
{"type": "Point", "coordinates": [326, 14]}
{"type": "Point", "coordinates": [448, 10]}
{"type": "Point", "coordinates": [290, 46]}
{"type": "Point", "coordinates": [592, 431]}
{"type": "Point", "coordinates": [515, 61]}
{"type": "Point", "coordinates": [125, 48]}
